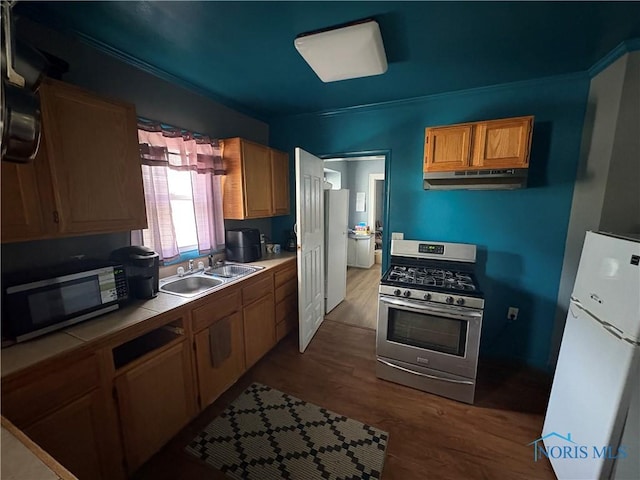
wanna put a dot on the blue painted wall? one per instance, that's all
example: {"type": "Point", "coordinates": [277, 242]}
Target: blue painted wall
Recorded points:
{"type": "Point", "coordinates": [520, 234]}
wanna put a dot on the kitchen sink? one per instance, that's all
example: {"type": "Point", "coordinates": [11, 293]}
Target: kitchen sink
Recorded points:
{"type": "Point", "coordinates": [190, 286]}
{"type": "Point", "coordinates": [232, 270]}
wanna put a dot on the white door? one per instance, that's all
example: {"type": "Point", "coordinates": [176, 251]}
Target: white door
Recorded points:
{"type": "Point", "coordinates": [310, 234]}
{"type": "Point", "coordinates": [336, 205]}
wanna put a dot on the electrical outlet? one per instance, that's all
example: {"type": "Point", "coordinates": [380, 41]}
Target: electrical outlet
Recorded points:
{"type": "Point", "coordinates": [397, 236]}
{"type": "Point", "coordinates": [512, 314]}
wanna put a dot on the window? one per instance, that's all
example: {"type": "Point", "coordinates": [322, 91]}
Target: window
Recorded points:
{"type": "Point", "coordinates": [181, 173]}
{"type": "Point", "coordinates": [181, 197]}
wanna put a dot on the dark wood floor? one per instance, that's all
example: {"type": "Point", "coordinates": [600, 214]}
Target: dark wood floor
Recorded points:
{"type": "Point", "coordinates": [429, 437]}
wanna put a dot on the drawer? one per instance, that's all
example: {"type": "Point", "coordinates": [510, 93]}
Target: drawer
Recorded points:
{"type": "Point", "coordinates": [219, 306]}
{"type": "Point", "coordinates": [257, 289]}
{"type": "Point", "coordinates": [287, 308]}
{"type": "Point", "coordinates": [286, 289]}
{"type": "Point", "coordinates": [26, 399]}
{"type": "Point", "coordinates": [283, 276]}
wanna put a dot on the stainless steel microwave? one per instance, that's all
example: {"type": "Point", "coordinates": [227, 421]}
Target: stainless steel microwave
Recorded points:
{"type": "Point", "coordinates": [37, 307]}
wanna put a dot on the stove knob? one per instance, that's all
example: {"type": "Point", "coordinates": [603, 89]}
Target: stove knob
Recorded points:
{"type": "Point", "coordinates": [397, 292]}
{"type": "Point", "coordinates": [460, 301]}
{"type": "Point", "coordinates": [450, 300]}
{"type": "Point", "coordinates": [427, 296]}
{"type": "Point", "coordinates": [407, 293]}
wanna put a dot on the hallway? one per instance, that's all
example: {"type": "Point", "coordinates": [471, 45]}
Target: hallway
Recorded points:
{"type": "Point", "coordinates": [360, 307]}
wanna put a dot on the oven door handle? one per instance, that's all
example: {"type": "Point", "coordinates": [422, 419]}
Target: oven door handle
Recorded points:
{"type": "Point", "coordinates": [419, 307]}
{"type": "Point", "coordinates": [432, 377]}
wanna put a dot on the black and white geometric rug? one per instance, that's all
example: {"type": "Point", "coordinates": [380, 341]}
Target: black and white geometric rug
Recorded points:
{"type": "Point", "coordinates": [267, 434]}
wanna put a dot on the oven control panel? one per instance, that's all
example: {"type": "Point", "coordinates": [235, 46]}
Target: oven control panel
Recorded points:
{"type": "Point", "coordinates": [431, 248]}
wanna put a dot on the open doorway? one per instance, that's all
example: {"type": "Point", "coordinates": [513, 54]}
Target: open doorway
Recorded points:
{"type": "Point", "coordinates": [364, 178]}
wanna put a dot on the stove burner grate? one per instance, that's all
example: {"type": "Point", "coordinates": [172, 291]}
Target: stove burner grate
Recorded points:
{"type": "Point", "coordinates": [431, 277]}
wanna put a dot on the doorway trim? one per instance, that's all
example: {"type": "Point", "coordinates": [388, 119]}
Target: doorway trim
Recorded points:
{"type": "Point", "coordinates": [386, 235]}
{"type": "Point", "coordinates": [373, 177]}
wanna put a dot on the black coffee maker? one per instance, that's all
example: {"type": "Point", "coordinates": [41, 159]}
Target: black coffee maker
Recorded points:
{"type": "Point", "coordinates": [142, 266]}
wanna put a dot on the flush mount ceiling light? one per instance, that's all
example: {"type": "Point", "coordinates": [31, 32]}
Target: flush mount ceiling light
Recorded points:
{"type": "Point", "coordinates": [349, 51]}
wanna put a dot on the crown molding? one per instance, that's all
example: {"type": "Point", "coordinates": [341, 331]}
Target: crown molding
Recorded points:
{"type": "Point", "coordinates": [622, 49]}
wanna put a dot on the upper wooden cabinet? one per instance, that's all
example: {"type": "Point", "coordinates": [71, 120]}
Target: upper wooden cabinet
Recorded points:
{"type": "Point", "coordinates": [86, 177]}
{"type": "Point", "coordinates": [256, 184]}
{"type": "Point", "coordinates": [501, 143]}
{"type": "Point", "coordinates": [447, 148]}
{"type": "Point", "coordinates": [26, 189]}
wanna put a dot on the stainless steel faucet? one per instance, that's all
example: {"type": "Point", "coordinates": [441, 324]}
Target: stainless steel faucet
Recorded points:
{"type": "Point", "coordinates": [190, 270]}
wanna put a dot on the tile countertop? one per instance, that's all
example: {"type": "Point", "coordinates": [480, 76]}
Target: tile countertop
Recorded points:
{"type": "Point", "coordinates": [23, 355]}
{"type": "Point", "coordinates": [23, 459]}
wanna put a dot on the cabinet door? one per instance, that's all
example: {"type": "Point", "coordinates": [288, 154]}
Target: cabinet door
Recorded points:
{"type": "Point", "coordinates": [155, 400]}
{"type": "Point", "coordinates": [351, 252]}
{"type": "Point", "coordinates": [71, 435]}
{"type": "Point", "coordinates": [280, 182]}
{"type": "Point", "coordinates": [219, 369]}
{"type": "Point", "coordinates": [259, 329]}
{"type": "Point", "coordinates": [503, 143]}
{"type": "Point", "coordinates": [256, 166]}
{"type": "Point", "coordinates": [286, 315]}
{"type": "Point", "coordinates": [22, 215]}
{"type": "Point", "coordinates": [364, 252]}
{"type": "Point", "coordinates": [447, 148]}
{"type": "Point", "coordinates": [93, 151]}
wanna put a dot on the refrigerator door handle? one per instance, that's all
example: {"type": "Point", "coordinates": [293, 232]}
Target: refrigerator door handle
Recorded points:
{"type": "Point", "coordinates": [577, 303]}
{"type": "Point", "coordinates": [612, 329]}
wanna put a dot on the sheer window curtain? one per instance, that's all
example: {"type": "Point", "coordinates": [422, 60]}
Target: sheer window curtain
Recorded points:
{"type": "Point", "coordinates": [163, 148]}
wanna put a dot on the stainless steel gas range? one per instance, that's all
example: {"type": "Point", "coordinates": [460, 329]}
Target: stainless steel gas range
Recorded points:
{"type": "Point", "coordinates": [430, 318]}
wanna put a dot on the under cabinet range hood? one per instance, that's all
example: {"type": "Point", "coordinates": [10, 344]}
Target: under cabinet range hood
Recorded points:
{"type": "Point", "coordinates": [496, 179]}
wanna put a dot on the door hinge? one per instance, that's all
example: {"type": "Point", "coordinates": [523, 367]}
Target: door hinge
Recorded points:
{"type": "Point", "coordinates": [56, 216]}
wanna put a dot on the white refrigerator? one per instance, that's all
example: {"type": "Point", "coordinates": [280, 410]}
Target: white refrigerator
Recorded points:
{"type": "Point", "coordinates": [591, 427]}
{"type": "Point", "coordinates": [336, 211]}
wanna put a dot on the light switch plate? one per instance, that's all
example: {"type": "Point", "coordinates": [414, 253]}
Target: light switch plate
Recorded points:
{"type": "Point", "coordinates": [397, 236]}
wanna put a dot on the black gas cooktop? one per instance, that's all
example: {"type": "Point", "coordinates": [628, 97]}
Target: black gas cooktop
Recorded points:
{"type": "Point", "coordinates": [432, 278]}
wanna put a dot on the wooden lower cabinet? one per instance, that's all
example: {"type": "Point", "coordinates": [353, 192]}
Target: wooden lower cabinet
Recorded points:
{"type": "Point", "coordinates": [155, 400]}
{"type": "Point", "coordinates": [219, 351]}
{"type": "Point", "coordinates": [103, 412]}
{"type": "Point", "coordinates": [286, 284]}
{"type": "Point", "coordinates": [259, 329]}
{"type": "Point", "coordinates": [72, 436]}
{"type": "Point", "coordinates": [63, 406]}
{"type": "Point", "coordinates": [286, 316]}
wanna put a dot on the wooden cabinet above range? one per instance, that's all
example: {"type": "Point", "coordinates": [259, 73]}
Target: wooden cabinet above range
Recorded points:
{"type": "Point", "coordinates": [256, 184]}
{"type": "Point", "coordinates": [499, 144]}
{"type": "Point", "coordinates": [86, 177]}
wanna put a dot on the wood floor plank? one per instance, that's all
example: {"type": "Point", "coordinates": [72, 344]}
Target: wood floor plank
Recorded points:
{"type": "Point", "coordinates": [360, 306]}
{"type": "Point", "coordinates": [430, 437]}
